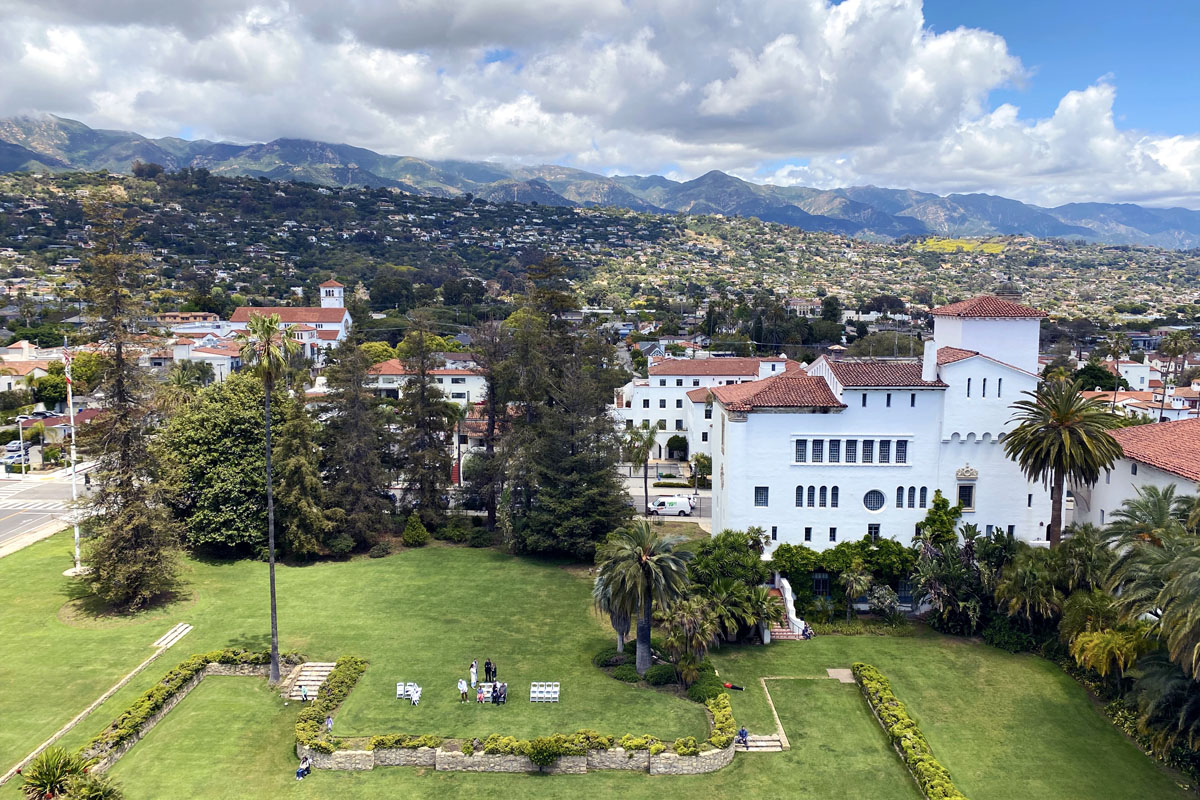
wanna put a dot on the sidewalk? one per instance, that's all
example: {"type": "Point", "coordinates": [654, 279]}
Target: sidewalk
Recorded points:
{"type": "Point", "coordinates": [58, 474]}
{"type": "Point", "coordinates": [36, 535]}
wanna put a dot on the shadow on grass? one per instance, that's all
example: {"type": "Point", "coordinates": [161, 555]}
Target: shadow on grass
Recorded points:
{"type": "Point", "coordinates": [83, 609]}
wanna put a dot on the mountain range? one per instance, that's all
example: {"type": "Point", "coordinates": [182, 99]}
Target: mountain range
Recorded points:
{"type": "Point", "coordinates": [51, 143]}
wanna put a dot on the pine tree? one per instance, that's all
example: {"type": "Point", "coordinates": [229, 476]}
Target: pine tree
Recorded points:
{"type": "Point", "coordinates": [133, 550]}
{"type": "Point", "coordinates": [426, 421]}
{"type": "Point", "coordinates": [359, 452]}
{"type": "Point", "coordinates": [300, 494]}
{"type": "Point", "coordinates": [491, 342]}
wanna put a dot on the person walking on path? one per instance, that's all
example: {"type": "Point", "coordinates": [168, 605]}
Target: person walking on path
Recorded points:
{"type": "Point", "coordinates": [474, 673]}
{"type": "Point", "coordinates": [462, 690]}
{"type": "Point", "coordinates": [487, 671]}
{"type": "Point", "coordinates": [303, 694]}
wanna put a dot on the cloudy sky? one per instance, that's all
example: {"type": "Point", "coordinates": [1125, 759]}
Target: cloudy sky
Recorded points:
{"type": "Point", "coordinates": [1084, 101]}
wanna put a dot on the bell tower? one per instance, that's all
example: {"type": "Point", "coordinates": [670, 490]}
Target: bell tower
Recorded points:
{"type": "Point", "coordinates": [331, 295]}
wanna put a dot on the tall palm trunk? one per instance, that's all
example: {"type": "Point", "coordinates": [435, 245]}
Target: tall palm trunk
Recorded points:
{"type": "Point", "coordinates": [271, 541]}
{"type": "Point", "coordinates": [643, 640]}
{"type": "Point", "coordinates": [1054, 531]}
{"type": "Point", "coordinates": [646, 486]}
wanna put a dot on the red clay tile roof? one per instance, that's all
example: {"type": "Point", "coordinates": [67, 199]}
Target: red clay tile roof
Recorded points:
{"type": "Point", "coordinates": [881, 373]}
{"type": "Point", "coordinates": [789, 390]}
{"type": "Point", "coordinates": [948, 355]}
{"type": "Point", "coordinates": [709, 366]}
{"type": "Point", "coordinates": [331, 284]}
{"type": "Point", "coordinates": [1170, 446]}
{"type": "Point", "coordinates": [22, 367]}
{"type": "Point", "coordinates": [393, 366]}
{"type": "Point", "coordinates": [327, 336]}
{"type": "Point", "coordinates": [290, 314]}
{"type": "Point", "coordinates": [987, 306]}
{"type": "Point", "coordinates": [698, 395]}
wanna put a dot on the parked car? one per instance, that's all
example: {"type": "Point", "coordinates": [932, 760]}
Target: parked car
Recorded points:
{"type": "Point", "coordinates": [15, 446]}
{"type": "Point", "coordinates": [44, 414]}
{"type": "Point", "coordinates": [12, 458]}
{"type": "Point", "coordinates": [679, 505]}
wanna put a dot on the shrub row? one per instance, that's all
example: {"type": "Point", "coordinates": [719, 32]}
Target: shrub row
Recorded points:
{"type": "Point", "coordinates": [153, 699]}
{"type": "Point", "coordinates": [1125, 717]}
{"type": "Point", "coordinates": [707, 686]}
{"type": "Point", "coordinates": [839, 627]}
{"type": "Point", "coordinates": [687, 746]}
{"type": "Point", "coordinates": [1002, 632]}
{"type": "Point", "coordinates": [662, 675]}
{"type": "Point", "coordinates": [671, 485]}
{"type": "Point", "coordinates": [403, 740]}
{"type": "Point", "coordinates": [930, 775]}
{"type": "Point", "coordinates": [609, 657]}
{"type": "Point", "coordinates": [310, 724]}
{"type": "Point", "coordinates": [724, 728]}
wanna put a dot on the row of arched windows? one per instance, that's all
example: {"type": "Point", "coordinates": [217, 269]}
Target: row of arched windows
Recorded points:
{"type": "Point", "coordinates": [911, 494]}
{"type": "Point", "coordinates": [817, 496]}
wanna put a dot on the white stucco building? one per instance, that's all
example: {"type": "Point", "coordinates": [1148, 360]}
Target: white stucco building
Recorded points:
{"type": "Point", "coordinates": [854, 448]}
{"type": "Point", "coordinates": [673, 397]}
{"type": "Point", "coordinates": [461, 385]}
{"type": "Point", "coordinates": [321, 328]}
{"type": "Point", "coordinates": [1160, 455]}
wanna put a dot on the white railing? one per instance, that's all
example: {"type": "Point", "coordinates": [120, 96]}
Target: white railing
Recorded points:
{"type": "Point", "coordinates": [789, 606]}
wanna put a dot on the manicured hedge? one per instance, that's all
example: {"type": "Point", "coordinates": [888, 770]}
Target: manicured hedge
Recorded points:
{"type": "Point", "coordinates": [310, 724]}
{"type": "Point", "coordinates": [153, 699]}
{"type": "Point", "coordinates": [687, 746]}
{"type": "Point", "coordinates": [724, 728]}
{"type": "Point", "coordinates": [403, 740]}
{"type": "Point", "coordinates": [933, 779]}
{"type": "Point", "coordinates": [626, 672]}
{"type": "Point", "coordinates": [662, 675]}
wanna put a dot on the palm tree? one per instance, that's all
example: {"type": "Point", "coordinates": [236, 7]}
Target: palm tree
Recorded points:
{"type": "Point", "coordinates": [692, 628]}
{"type": "Point", "coordinates": [1176, 345]}
{"type": "Point", "coordinates": [183, 380]}
{"type": "Point", "coordinates": [643, 572]}
{"type": "Point", "coordinates": [267, 349]}
{"type": "Point", "coordinates": [855, 581]}
{"type": "Point", "coordinates": [1061, 436]}
{"type": "Point", "coordinates": [1086, 612]}
{"type": "Point", "coordinates": [638, 444]}
{"type": "Point", "coordinates": [1112, 650]}
{"type": "Point", "coordinates": [1084, 557]}
{"type": "Point", "coordinates": [1153, 515]}
{"type": "Point", "coordinates": [1029, 586]}
{"type": "Point", "coordinates": [1168, 702]}
{"type": "Point", "coordinates": [1117, 346]}
{"type": "Point", "coordinates": [728, 599]}
{"type": "Point", "coordinates": [618, 616]}
{"type": "Point", "coordinates": [1179, 622]}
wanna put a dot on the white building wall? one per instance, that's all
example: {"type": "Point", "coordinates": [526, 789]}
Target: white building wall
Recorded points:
{"type": "Point", "coordinates": [1013, 341]}
{"type": "Point", "coordinates": [664, 397]}
{"type": "Point", "coordinates": [1095, 504]}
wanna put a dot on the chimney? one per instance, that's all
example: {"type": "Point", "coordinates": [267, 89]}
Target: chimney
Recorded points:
{"type": "Point", "coordinates": [929, 361]}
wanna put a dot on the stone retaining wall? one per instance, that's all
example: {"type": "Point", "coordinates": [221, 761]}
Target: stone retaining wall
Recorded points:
{"type": "Point", "coordinates": [111, 756]}
{"type": "Point", "coordinates": [455, 761]}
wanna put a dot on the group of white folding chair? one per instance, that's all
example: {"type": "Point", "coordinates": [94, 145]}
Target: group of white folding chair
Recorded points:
{"type": "Point", "coordinates": [408, 691]}
{"type": "Point", "coordinates": [543, 692]}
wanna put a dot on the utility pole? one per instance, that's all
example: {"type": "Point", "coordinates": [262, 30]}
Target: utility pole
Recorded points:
{"type": "Point", "coordinates": [74, 469]}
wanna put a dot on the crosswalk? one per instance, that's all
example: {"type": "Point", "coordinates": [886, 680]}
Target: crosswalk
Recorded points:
{"type": "Point", "coordinates": [34, 505]}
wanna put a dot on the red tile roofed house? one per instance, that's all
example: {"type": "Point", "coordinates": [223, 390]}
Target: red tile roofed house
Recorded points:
{"type": "Point", "coordinates": [328, 324]}
{"type": "Point", "coordinates": [17, 374]}
{"type": "Point", "coordinates": [462, 386]}
{"type": "Point", "coordinates": [874, 374]}
{"type": "Point", "coordinates": [1161, 454]}
{"type": "Point", "coordinates": [58, 429]}
{"type": "Point", "coordinates": [789, 390]}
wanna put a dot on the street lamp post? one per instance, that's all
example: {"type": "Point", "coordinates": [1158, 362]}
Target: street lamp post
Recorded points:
{"type": "Point", "coordinates": [74, 469]}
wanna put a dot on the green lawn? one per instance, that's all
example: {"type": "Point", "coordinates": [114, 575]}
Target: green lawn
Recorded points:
{"type": "Point", "coordinates": [1005, 726]}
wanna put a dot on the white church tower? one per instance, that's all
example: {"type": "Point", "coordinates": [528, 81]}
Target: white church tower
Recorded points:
{"type": "Point", "coordinates": [991, 326]}
{"type": "Point", "coordinates": [331, 295]}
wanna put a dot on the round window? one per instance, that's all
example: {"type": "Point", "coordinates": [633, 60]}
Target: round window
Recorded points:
{"type": "Point", "coordinates": [874, 500]}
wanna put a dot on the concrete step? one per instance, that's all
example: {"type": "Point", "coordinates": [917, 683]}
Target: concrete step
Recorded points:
{"type": "Point", "coordinates": [172, 636]}
{"type": "Point", "coordinates": [311, 675]}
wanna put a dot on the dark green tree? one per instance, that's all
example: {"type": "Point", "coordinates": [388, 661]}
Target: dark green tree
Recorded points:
{"type": "Point", "coordinates": [303, 522]}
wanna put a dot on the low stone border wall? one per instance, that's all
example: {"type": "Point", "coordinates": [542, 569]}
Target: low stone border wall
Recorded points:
{"type": "Point", "coordinates": [444, 760]}
{"type": "Point", "coordinates": [107, 759]}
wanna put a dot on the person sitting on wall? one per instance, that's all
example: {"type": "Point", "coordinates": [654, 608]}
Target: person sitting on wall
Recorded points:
{"type": "Point", "coordinates": [743, 737]}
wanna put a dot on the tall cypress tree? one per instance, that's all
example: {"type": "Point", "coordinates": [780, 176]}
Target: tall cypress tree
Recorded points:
{"type": "Point", "coordinates": [491, 343]}
{"type": "Point", "coordinates": [133, 549]}
{"type": "Point", "coordinates": [359, 449]}
{"type": "Point", "coordinates": [426, 419]}
{"type": "Point", "coordinates": [300, 495]}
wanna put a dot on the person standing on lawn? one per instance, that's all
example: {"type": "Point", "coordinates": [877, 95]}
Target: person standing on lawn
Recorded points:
{"type": "Point", "coordinates": [488, 675]}
{"type": "Point", "coordinates": [462, 690]}
{"type": "Point", "coordinates": [474, 673]}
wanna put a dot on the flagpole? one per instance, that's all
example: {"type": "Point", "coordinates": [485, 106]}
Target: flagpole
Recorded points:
{"type": "Point", "coordinates": [74, 482]}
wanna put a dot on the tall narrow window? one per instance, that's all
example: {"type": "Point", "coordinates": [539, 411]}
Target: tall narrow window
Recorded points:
{"type": "Point", "coordinates": [801, 451]}
{"type": "Point", "coordinates": [818, 450]}
{"type": "Point", "coordinates": [1029, 501]}
{"type": "Point", "coordinates": [833, 534]}
{"type": "Point", "coordinates": [983, 388]}
{"type": "Point", "coordinates": [812, 496]}
{"type": "Point", "coordinates": [924, 496]}
{"type": "Point", "coordinates": [968, 387]}
{"type": "Point", "coordinates": [966, 496]}
{"type": "Point", "coordinates": [823, 497]}
{"type": "Point", "coordinates": [912, 400]}
{"type": "Point", "coordinates": [901, 451]}
{"type": "Point", "coordinates": [864, 399]}
{"type": "Point", "coordinates": [873, 531]}
{"type": "Point", "coordinates": [833, 497]}
{"type": "Point", "coordinates": [868, 451]}
{"type": "Point", "coordinates": [799, 496]}
{"type": "Point", "coordinates": [999, 390]}
{"type": "Point", "coordinates": [835, 451]}
{"type": "Point", "coordinates": [774, 533]}
{"type": "Point", "coordinates": [885, 451]}
{"type": "Point", "coordinates": [888, 401]}
{"type": "Point", "coordinates": [899, 497]}
{"type": "Point", "coordinates": [808, 534]}
{"type": "Point", "coordinates": [851, 451]}
{"type": "Point", "coordinates": [761, 495]}
{"type": "Point", "coordinates": [912, 497]}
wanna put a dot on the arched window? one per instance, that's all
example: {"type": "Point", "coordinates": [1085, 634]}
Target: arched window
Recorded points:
{"type": "Point", "coordinates": [899, 497]}
{"type": "Point", "coordinates": [799, 496]}
{"type": "Point", "coordinates": [812, 496]}
{"type": "Point", "coordinates": [912, 497]}
{"type": "Point", "coordinates": [924, 496]}
{"type": "Point", "coordinates": [833, 497]}
{"type": "Point", "coordinates": [824, 495]}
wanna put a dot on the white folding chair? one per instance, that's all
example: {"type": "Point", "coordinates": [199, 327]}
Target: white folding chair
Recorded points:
{"type": "Point", "coordinates": [416, 696]}
{"type": "Point", "coordinates": [554, 693]}
{"type": "Point", "coordinates": [533, 692]}
{"type": "Point", "coordinates": [400, 691]}
{"type": "Point", "coordinates": [409, 688]}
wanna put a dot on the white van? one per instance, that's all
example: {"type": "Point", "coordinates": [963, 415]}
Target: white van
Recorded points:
{"type": "Point", "coordinates": [676, 506]}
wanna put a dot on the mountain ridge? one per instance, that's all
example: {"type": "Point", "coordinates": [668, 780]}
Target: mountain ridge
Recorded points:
{"type": "Point", "coordinates": [48, 142]}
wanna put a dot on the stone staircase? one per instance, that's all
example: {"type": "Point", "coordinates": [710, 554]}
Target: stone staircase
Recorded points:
{"type": "Point", "coordinates": [780, 631]}
{"type": "Point", "coordinates": [312, 675]}
{"type": "Point", "coordinates": [761, 744]}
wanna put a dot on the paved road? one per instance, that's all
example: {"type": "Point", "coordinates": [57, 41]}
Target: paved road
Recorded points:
{"type": "Point", "coordinates": [26, 505]}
